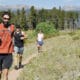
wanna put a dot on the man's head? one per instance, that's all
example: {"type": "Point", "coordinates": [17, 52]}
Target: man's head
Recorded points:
{"type": "Point", "coordinates": [6, 17]}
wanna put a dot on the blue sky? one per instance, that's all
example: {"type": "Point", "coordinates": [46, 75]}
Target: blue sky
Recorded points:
{"type": "Point", "coordinates": [42, 3]}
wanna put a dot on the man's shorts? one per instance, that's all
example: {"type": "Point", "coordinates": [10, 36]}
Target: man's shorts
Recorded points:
{"type": "Point", "coordinates": [5, 61]}
{"type": "Point", "coordinates": [18, 50]}
{"type": "Point", "coordinates": [40, 43]}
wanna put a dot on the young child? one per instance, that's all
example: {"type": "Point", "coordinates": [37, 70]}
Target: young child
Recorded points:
{"type": "Point", "coordinates": [40, 38]}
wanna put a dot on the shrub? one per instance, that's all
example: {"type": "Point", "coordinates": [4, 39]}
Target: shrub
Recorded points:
{"type": "Point", "coordinates": [31, 36]}
{"type": "Point", "coordinates": [71, 33]}
{"type": "Point", "coordinates": [47, 28]}
{"type": "Point", "coordinates": [75, 37]}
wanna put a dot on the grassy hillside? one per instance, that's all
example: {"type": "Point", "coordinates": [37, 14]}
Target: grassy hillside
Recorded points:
{"type": "Point", "coordinates": [60, 59]}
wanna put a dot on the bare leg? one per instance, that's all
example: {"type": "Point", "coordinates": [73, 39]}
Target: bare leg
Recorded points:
{"type": "Point", "coordinates": [5, 74]}
{"type": "Point", "coordinates": [20, 60]}
{"type": "Point", "coordinates": [17, 61]}
{"type": "Point", "coordinates": [0, 74]}
{"type": "Point", "coordinates": [38, 48]}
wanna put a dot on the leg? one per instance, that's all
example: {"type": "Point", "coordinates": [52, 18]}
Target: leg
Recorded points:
{"type": "Point", "coordinates": [1, 62]}
{"type": "Point", "coordinates": [20, 60]}
{"type": "Point", "coordinates": [20, 57]}
{"type": "Point", "coordinates": [7, 62]}
{"type": "Point", "coordinates": [38, 48]}
{"type": "Point", "coordinates": [16, 57]}
{"type": "Point", "coordinates": [17, 61]}
{"type": "Point", "coordinates": [5, 74]}
{"type": "Point", "coordinates": [0, 74]}
{"type": "Point", "coordinates": [40, 43]}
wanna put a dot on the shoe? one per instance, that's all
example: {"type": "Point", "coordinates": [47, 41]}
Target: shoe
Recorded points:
{"type": "Point", "coordinates": [21, 66]}
{"type": "Point", "coordinates": [16, 67]}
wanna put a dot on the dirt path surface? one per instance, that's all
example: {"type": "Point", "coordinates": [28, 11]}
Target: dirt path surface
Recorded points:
{"type": "Point", "coordinates": [14, 74]}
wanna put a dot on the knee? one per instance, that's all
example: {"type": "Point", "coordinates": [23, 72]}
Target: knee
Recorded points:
{"type": "Point", "coordinates": [0, 72]}
{"type": "Point", "coordinates": [5, 72]}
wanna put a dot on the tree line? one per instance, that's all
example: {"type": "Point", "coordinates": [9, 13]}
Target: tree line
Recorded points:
{"type": "Point", "coordinates": [60, 18]}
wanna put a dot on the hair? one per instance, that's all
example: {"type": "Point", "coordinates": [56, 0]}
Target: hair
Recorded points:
{"type": "Point", "coordinates": [40, 30]}
{"type": "Point", "coordinates": [18, 27]}
{"type": "Point", "coordinates": [6, 13]}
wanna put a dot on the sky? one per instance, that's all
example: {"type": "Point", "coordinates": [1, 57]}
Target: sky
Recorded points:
{"type": "Point", "coordinates": [48, 4]}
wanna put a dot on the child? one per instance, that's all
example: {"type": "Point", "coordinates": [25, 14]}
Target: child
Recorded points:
{"type": "Point", "coordinates": [19, 37]}
{"type": "Point", "coordinates": [40, 38]}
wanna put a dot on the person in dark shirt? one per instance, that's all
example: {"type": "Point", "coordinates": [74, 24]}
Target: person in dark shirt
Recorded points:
{"type": "Point", "coordinates": [19, 37]}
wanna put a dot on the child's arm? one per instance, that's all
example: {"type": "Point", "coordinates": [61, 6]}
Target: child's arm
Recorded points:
{"type": "Point", "coordinates": [23, 36]}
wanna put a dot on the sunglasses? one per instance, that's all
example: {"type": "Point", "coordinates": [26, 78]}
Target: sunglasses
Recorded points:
{"type": "Point", "coordinates": [6, 18]}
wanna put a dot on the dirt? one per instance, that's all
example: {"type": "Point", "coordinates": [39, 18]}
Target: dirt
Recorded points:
{"type": "Point", "coordinates": [14, 74]}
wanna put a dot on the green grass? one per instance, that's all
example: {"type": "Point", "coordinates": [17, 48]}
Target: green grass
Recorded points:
{"type": "Point", "coordinates": [60, 59]}
{"type": "Point", "coordinates": [31, 36]}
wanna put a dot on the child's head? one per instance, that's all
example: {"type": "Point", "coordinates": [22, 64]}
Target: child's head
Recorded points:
{"type": "Point", "coordinates": [40, 31]}
{"type": "Point", "coordinates": [18, 28]}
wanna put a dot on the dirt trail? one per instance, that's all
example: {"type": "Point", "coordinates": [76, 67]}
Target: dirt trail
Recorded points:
{"type": "Point", "coordinates": [14, 74]}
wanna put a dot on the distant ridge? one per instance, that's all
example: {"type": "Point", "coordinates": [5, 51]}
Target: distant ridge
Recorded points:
{"type": "Point", "coordinates": [71, 8]}
{"type": "Point", "coordinates": [13, 7]}
{"type": "Point", "coordinates": [20, 6]}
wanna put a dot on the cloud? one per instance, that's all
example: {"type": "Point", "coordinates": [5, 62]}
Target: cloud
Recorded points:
{"type": "Point", "coordinates": [70, 0]}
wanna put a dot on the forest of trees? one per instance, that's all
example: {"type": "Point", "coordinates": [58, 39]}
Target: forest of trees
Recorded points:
{"type": "Point", "coordinates": [60, 18]}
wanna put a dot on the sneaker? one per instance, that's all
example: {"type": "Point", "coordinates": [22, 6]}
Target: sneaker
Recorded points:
{"type": "Point", "coordinates": [21, 66]}
{"type": "Point", "coordinates": [16, 67]}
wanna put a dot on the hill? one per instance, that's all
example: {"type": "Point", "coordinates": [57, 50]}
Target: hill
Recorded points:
{"type": "Point", "coordinates": [71, 8]}
{"type": "Point", "coordinates": [58, 61]}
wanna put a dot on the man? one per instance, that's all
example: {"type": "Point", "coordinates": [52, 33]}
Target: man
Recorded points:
{"type": "Point", "coordinates": [6, 45]}
{"type": "Point", "coordinates": [19, 37]}
{"type": "Point", "coordinates": [40, 38]}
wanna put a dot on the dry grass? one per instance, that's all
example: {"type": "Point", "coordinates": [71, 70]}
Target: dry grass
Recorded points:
{"type": "Point", "coordinates": [60, 60]}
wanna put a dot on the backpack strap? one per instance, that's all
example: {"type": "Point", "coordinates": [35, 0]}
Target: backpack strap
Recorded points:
{"type": "Point", "coordinates": [9, 29]}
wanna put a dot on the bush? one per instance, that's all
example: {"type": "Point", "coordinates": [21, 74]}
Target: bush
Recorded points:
{"type": "Point", "coordinates": [31, 36]}
{"type": "Point", "coordinates": [47, 28]}
{"type": "Point", "coordinates": [71, 33]}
